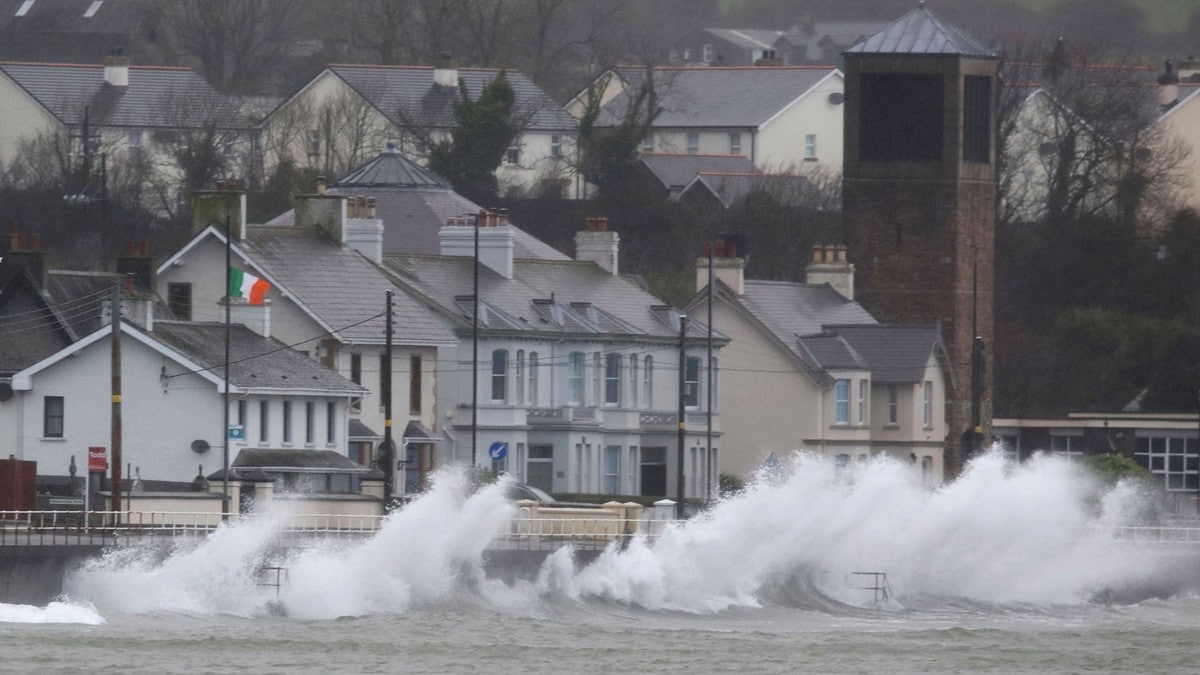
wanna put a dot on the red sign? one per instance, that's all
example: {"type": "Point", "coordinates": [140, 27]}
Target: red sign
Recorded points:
{"type": "Point", "coordinates": [97, 459]}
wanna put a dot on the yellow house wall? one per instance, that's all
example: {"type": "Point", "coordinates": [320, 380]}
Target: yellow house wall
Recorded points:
{"type": "Point", "coordinates": [766, 404]}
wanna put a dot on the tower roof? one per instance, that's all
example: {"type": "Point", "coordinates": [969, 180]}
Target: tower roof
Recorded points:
{"type": "Point", "coordinates": [922, 32]}
{"type": "Point", "coordinates": [392, 169]}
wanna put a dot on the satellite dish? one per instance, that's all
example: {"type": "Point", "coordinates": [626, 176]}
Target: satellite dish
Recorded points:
{"type": "Point", "coordinates": [199, 445]}
{"type": "Point", "coordinates": [837, 97]}
{"type": "Point", "coordinates": [6, 391]}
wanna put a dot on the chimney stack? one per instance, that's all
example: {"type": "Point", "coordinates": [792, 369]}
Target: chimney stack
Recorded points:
{"type": "Point", "coordinates": [457, 238]}
{"type": "Point", "coordinates": [325, 213]}
{"type": "Point", "coordinates": [116, 69]}
{"type": "Point", "coordinates": [728, 268]}
{"type": "Point", "coordinates": [1168, 86]}
{"type": "Point", "coordinates": [25, 253]}
{"type": "Point", "coordinates": [444, 74]}
{"type": "Point", "coordinates": [829, 266]}
{"type": "Point", "coordinates": [597, 244]}
{"type": "Point", "coordinates": [138, 264]}
{"type": "Point", "coordinates": [213, 207]}
{"type": "Point", "coordinates": [364, 232]}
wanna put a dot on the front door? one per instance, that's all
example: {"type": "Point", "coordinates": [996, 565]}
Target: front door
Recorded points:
{"type": "Point", "coordinates": [654, 472]}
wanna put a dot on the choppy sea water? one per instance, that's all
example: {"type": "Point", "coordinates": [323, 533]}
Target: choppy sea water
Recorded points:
{"type": "Point", "coordinates": [1006, 570]}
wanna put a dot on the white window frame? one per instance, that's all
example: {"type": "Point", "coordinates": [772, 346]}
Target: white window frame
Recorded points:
{"type": "Point", "coordinates": [863, 388]}
{"type": "Point", "coordinates": [841, 401]}
{"type": "Point", "coordinates": [928, 407]}
{"type": "Point", "coordinates": [532, 389]}
{"type": "Point", "coordinates": [648, 382]}
{"type": "Point", "coordinates": [612, 379]}
{"type": "Point", "coordinates": [691, 383]}
{"type": "Point", "coordinates": [556, 145]}
{"type": "Point", "coordinates": [893, 404]}
{"type": "Point", "coordinates": [512, 154]}
{"type": "Point", "coordinates": [693, 143]}
{"type": "Point", "coordinates": [633, 381]}
{"type": "Point", "coordinates": [500, 375]}
{"type": "Point", "coordinates": [575, 383]}
{"type": "Point", "coordinates": [810, 146]}
{"type": "Point", "coordinates": [735, 143]}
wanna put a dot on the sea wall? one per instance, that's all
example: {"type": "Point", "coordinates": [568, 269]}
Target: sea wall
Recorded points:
{"type": "Point", "coordinates": [33, 575]}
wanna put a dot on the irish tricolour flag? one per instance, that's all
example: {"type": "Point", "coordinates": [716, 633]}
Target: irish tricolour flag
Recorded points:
{"type": "Point", "coordinates": [246, 286]}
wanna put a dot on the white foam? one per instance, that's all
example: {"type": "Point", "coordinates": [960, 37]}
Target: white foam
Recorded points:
{"type": "Point", "coordinates": [999, 534]}
{"type": "Point", "coordinates": [55, 612]}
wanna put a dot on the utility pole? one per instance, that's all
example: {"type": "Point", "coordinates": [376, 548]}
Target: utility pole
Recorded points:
{"type": "Point", "coordinates": [479, 221]}
{"type": "Point", "coordinates": [387, 451]}
{"type": "Point", "coordinates": [709, 404]}
{"type": "Point", "coordinates": [225, 505]}
{"type": "Point", "coordinates": [683, 320]}
{"type": "Point", "coordinates": [116, 397]}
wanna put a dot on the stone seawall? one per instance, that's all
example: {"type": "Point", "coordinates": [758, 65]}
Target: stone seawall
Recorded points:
{"type": "Point", "coordinates": [33, 575]}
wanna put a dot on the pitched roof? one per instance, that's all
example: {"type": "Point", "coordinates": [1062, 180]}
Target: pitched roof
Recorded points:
{"type": "Point", "coordinates": [790, 308]}
{"type": "Point", "coordinates": [828, 351]}
{"type": "Point", "coordinates": [340, 286]}
{"type": "Point", "coordinates": [31, 326]}
{"type": "Point", "coordinates": [723, 96]}
{"type": "Point", "coordinates": [731, 188]}
{"type": "Point", "coordinates": [156, 97]}
{"type": "Point", "coordinates": [256, 362]}
{"type": "Point", "coordinates": [747, 38]}
{"type": "Point", "coordinates": [413, 204]}
{"type": "Point", "coordinates": [922, 32]}
{"type": "Point", "coordinates": [894, 353]}
{"type": "Point", "coordinates": [282, 458]}
{"type": "Point", "coordinates": [392, 89]}
{"type": "Point", "coordinates": [677, 170]}
{"type": "Point", "coordinates": [562, 297]}
{"type": "Point", "coordinates": [390, 168]}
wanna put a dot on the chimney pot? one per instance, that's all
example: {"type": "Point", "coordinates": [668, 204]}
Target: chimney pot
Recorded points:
{"type": "Point", "coordinates": [720, 248]}
{"type": "Point", "coordinates": [35, 242]}
{"type": "Point", "coordinates": [320, 185]}
{"type": "Point", "coordinates": [818, 252]}
{"type": "Point", "coordinates": [706, 251]}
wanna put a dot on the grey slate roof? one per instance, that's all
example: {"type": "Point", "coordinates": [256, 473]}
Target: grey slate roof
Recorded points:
{"type": "Point", "coordinates": [157, 97]}
{"type": "Point", "coordinates": [725, 96]}
{"type": "Point", "coordinates": [922, 32]}
{"type": "Point", "coordinates": [747, 38]}
{"type": "Point", "coordinates": [413, 212]}
{"type": "Point", "coordinates": [829, 351]}
{"type": "Point", "coordinates": [731, 188]}
{"type": "Point", "coordinates": [411, 89]}
{"type": "Point", "coordinates": [283, 458]}
{"type": "Point", "coordinates": [563, 297]}
{"type": "Point", "coordinates": [675, 171]}
{"type": "Point", "coordinates": [340, 286]}
{"type": "Point", "coordinates": [80, 297]}
{"type": "Point", "coordinates": [31, 327]}
{"type": "Point", "coordinates": [895, 353]}
{"type": "Point", "coordinates": [789, 309]}
{"type": "Point", "coordinates": [390, 168]}
{"type": "Point", "coordinates": [256, 362]}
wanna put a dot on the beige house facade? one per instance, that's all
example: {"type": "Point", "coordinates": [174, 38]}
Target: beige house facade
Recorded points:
{"type": "Point", "coordinates": [808, 369]}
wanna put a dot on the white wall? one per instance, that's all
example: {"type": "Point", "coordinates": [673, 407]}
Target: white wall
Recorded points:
{"type": "Point", "coordinates": [22, 118]}
{"type": "Point", "coordinates": [780, 143]}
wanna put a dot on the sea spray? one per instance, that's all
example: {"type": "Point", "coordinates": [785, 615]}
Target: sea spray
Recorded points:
{"type": "Point", "coordinates": [1002, 533]}
{"type": "Point", "coordinates": [422, 554]}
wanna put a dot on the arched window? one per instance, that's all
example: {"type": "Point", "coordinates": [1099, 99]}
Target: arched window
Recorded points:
{"type": "Point", "coordinates": [612, 379]}
{"type": "Point", "coordinates": [532, 389]}
{"type": "Point", "coordinates": [520, 378]}
{"type": "Point", "coordinates": [575, 378]}
{"type": "Point", "coordinates": [648, 382]}
{"type": "Point", "coordinates": [499, 375]}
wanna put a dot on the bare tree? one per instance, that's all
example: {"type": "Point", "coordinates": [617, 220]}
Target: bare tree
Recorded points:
{"type": "Point", "coordinates": [238, 44]}
{"type": "Point", "coordinates": [1085, 141]}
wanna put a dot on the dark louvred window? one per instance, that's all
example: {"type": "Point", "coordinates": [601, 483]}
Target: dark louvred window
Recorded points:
{"type": "Point", "coordinates": [901, 118]}
{"type": "Point", "coordinates": [977, 117]}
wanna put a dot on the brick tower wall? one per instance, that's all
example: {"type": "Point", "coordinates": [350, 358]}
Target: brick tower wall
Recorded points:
{"type": "Point", "coordinates": [921, 235]}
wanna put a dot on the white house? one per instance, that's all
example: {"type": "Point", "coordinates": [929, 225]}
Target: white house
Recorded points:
{"type": "Point", "coordinates": [172, 383]}
{"type": "Point", "coordinates": [343, 115]}
{"type": "Point", "coordinates": [134, 114]}
{"type": "Point", "coordinates": [575, 369]}
{"type": "Point", "coordinates": [327, 300]}
{"type": "Point", "coordinates": [781, 117]}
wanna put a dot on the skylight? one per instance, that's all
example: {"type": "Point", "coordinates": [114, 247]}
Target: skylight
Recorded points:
{"type": "Point", "coordinates": [92, 9]}
{"type": "Point", "coordinates": [24, 8]}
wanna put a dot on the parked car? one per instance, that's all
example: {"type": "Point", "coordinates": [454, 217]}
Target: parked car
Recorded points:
{"type": "Point", "coordinates": [519, 491]}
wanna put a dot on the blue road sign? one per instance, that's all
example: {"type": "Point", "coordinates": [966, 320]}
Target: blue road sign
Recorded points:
{"type": "Point", "coordinates": [498, 451]}
{"type": "Point", "coordinates": [237, 432]}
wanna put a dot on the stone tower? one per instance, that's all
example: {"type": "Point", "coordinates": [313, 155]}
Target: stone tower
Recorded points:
{"type": "Point", "coordinates": [919, 194]}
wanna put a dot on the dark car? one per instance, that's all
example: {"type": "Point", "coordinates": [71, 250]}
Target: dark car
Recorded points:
{"type": "Point", "coordinates": [519, 491]}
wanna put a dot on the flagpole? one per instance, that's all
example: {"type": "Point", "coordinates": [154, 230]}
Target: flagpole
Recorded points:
{"type": "Point", "coordinates": [225, 396]}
